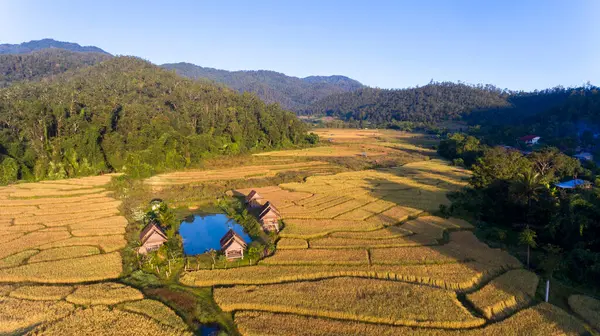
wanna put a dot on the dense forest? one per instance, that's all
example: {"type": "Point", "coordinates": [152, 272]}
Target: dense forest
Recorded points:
{"type": "Point", "coordinates": [31, 46]}
{"type": "Point", "coordinates": [126, 114]}
{"type": "Point", "coordinates": [516, 197]}
{"type": "Point", "coordinates": [291, 93]}
{"type": "Point", "coordinates": [430, 103]}
{"type": "Point", "coordinates": [43, 63]}
{"type": "Point", "coordinates": [565, 118]}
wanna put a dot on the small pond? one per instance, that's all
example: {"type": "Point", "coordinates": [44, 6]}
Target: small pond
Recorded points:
{"type": "Point", "coordinates": [203, 232]}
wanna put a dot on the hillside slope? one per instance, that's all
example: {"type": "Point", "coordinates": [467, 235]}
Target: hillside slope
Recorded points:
{"type": "Point", "coordinates": [31, 46]}
{"type": "Point", "coordinates": [273, 87]}
{"type": "Point", "coordinates": [43, 63]}
{"type": "Point", "coordinates": [126, 114]}
{"type": "Point", "coordinates": [429, 103]}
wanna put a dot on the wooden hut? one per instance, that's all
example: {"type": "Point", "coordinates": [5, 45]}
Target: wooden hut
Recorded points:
{"type": "Point", "coordinates": [232, 245]}
{"type": "Point", "coordinates": [254, 200]}
{"type": "Point", "coordinates": [151, 238]}
{"type": "Point", "coordinates": [269, 217]}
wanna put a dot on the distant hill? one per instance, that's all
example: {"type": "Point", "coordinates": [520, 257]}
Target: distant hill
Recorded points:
{"type": "Point", "coordinates": [43, 63]}
{"type": "Point", "coordinates": [126, 114]}
{"type": "Point", "coordinates": [430, 103]}
{"type": "Point", "coordinates": [292, 93]}
{"type": "Point", "coordinates": [31, 46]}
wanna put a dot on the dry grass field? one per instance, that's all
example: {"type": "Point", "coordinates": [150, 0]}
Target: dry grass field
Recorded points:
{"type": "Point", "coordinates": [52, 310]}
{"type": "Point", "coordinates": [367, 300]}
{"type": "Point", "coordinates": [237, 173]}
{"type": "Point", "coordinates": [586, 307]}
{"type": "Point", "coordinates": [69, 231]}
{"type": "Point", "coordinates": [541, 320]}
{"type": "Point", "coordinates": [505, 294]}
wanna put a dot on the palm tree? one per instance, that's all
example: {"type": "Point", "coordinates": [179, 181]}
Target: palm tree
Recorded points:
{"type": "Point", "coordinates": [527, 187]}
{"type": "Point", "coordinates": [527, 237]}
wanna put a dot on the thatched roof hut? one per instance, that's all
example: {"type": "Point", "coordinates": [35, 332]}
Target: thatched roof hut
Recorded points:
{"type": "Point", "coordinates": [232, 245]}
{"type": "Point", "coordinates": [151, 238]}
{"type": "Point", "coordinates": [269, 217]}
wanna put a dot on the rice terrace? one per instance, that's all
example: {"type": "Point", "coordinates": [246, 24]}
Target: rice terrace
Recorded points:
{"type": "Point", "coordinates": [358, 247]}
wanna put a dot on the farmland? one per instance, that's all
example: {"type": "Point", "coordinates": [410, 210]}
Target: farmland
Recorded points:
{"type": "Point", "coordinates": [57, 235]}
{"type": "Point", "coordinates": [361, 251]}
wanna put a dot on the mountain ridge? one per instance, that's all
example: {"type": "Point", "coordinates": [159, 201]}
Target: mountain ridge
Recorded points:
{"type": "Point", "coordinates": [35, 45]}
{"type": "Point", "coordinates": [290, 92]}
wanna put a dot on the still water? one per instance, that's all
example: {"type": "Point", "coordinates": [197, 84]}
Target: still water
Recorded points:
{"type": "Point", "coordinates": [201, 233]}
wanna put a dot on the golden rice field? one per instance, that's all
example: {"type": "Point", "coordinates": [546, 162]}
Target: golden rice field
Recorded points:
{"type": "Point", "coordinates": [237, 173]}
{"type": "Point", "coordinates": [355, 299]}
{"type": "Point", "coordinates": [505, 294]}
{"type": "Point", "coordinates": [60, 231]}
{"type": "Point", "coordinates": [541, 320]}
{"type": "Point", "coordinates": [52, 310]}
{"type": "Point", "coordinates": [586, 307]}
{"type": "Point", "coordinates": [156, 311]}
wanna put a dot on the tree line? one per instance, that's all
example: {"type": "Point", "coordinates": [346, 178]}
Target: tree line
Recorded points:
{"type": "Point", "coordinates": [128, 115]}
{"type": "Point", "coordinates": [514, 198]}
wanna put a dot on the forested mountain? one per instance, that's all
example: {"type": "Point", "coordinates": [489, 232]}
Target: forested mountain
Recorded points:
{"type": "Point", "coordinates": [562, 117]}
{"type": "Point", "coordinates": [292, 93]}
{"type": "Point", "coordinates": [429, 103]}
{"type": "Point", "coordinates": [45, 62]}
{"type": "Point", "coordinates": [27, 47]}
{"type": "Point", "coordinates": [126, 114]}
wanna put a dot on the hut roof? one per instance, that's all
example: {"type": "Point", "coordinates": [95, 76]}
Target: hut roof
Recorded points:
{"type": "Point", "coordinates": [573, 184]}
{"type": "Point", "coordinates": [253, 195]}
{"type": "Point", "coordinates": [230, 237]}
{"type": "Point", "coordinates": [149, 230]}
{"type": "Point", "coordinates": [266, 208]}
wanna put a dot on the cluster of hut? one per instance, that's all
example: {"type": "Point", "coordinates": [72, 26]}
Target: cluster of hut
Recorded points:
{"type": "Point", "coordinates": [232, 244]}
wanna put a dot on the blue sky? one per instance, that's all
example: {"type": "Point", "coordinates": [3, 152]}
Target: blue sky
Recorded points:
{"type": "Point", "coordinates": [524, 44]}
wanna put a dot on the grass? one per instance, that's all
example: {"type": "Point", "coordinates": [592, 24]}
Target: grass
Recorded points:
{"type": "Point", "coordinates": [505, 294]}
{"type": "Point", "coordinates": [157, 311]}
{"type": "Point", "coordinates": [455, 276]}
{"type": "Point", "coordinates": [106, 243]}
{"type": "Point", "coordinates": [64, 253]}
{"type": "Point", "coordinates": [541, 320]}
{"type": "Point", "coordinates": [385, 233]}
{"type": "Point", "coordinates": [367, 300]}
{"type": "Point", "coordinates": [343, 243]}
{"type": "Point", "coordinates": [106, 293]}
{"type": "Point", "coordinates": [317, 257]}
{"type": "Point", "coordinates": [291, 243]}
{"type": "Point", "coordinates": [306, 229]}
{"type": "Point", "coordinates": [17, 316]}
{"type": "Point", "coordinates": [17, 258]}
{"type": "Point", "coordinates": [586, 307]}
{"type": "Point", "coordinates": [103, 321]}
{"type": "Point", "coordinates": [42, 293]}
{"type": "Point", "coordinates": [91, 268]}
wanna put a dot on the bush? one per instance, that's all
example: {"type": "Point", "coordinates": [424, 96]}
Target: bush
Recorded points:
{"type": "Point", "coordinates": [9, 170]}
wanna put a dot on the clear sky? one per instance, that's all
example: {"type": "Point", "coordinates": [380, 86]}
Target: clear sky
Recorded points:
{"type": "Point", "coordinates": [516, 44]}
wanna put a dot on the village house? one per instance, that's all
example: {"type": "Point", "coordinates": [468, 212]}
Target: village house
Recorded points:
{"type": "Point", "coordinates": [573, 184]}
{"type": "Point", "coordinates": [151, 238]}
{"type": "Point", "coordinates": [584, 156]}
{"type": "Point", "coordinates": [254, 200]}
{"type": "Point", "coordinates": [530, 139]}
{"type": "Point", "coordinates": [232, 245]}
{"type": "Point", "coordinates": [269, 218]}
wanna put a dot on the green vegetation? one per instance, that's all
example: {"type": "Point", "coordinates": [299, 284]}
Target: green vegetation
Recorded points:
{"type": "Point", "coordinates": [127, 115]}
{"type": "Point", "coordinates": [291, 93]}
{"type": "Point", "coordinates": [43, 63]}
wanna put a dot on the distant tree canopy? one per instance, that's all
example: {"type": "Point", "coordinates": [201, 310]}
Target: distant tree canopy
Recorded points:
{"type": "Point", "coordinates": [430, 103]}
{"type": "Point", "coordinates": [126, 114]}
{"type": "Point", "coordinates": [47, 62]}
{"type": "Point", "coordinates": [292, 93]}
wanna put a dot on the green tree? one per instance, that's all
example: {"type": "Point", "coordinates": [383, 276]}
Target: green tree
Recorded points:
{"type": "Point", "coordinates": [527, 237]}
